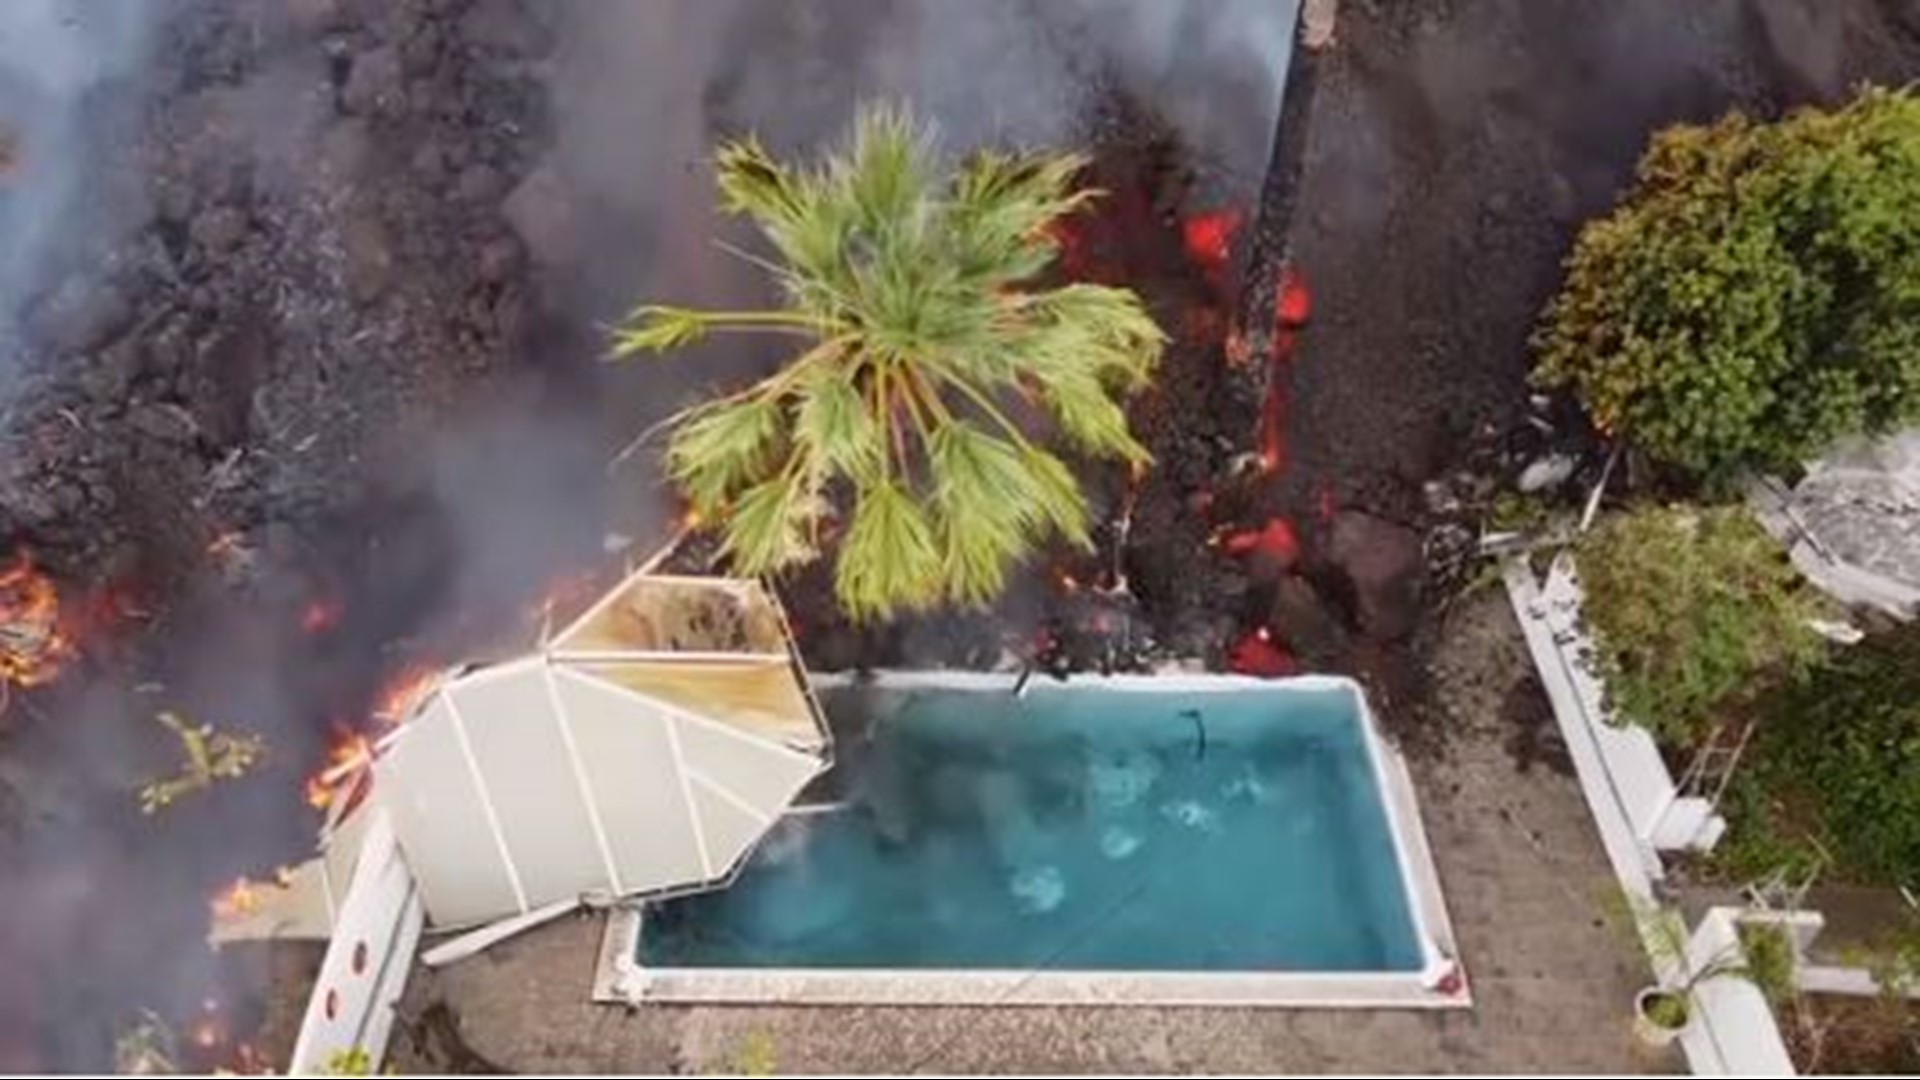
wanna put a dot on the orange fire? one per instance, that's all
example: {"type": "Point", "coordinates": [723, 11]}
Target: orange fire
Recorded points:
{"type": "Point", "coordinates": [404, 692]}
{"type": "Point", "coordinates": [350, 753]}
{"type": "Point", "coordinates": [32, 648]}
{"type": "Point", "coordinates": [236, 900]}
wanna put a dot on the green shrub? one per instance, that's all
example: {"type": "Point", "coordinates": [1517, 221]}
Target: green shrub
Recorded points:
{"type": "Point", "coordinates": [1690, 610]}
{"type": "Point", "coordinates": [1837, 758]}
{"type": "Point", "coordinates": [1757, 293]}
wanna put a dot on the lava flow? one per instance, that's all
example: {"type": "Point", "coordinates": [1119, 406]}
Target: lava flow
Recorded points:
{"type": "Point", "coordinates": [1256, 654]}
{"type": "Point", "coordinates": [32, 649]}
{"type": "Point", "coordinates": [1292, 307]}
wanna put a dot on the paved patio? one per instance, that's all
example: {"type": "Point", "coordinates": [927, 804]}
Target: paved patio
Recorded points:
{"type": "Point", "coordinates": [1525, 882]}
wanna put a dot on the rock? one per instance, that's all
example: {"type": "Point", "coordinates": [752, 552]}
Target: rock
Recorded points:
{"type": "Point", "coordinates": [109, 372]}
{"type": "Point", "coordinates": [81, 315]}
{"type": "Point", "coordinates": [1384, 563]}
{"type": "Point", "coordinates": [1547, 472]}
{"type": "Point", "coordinates": [345, 150]}
{"type": "Point", "coordinates": [219, 230]}
{"type": "Point", "coordinates": [369, 252]}
{"type": "Point", "coordinates": [1305, 622]}
{"type": "Point", "coordinates": [316, 16]}
{"type": "Point", "coordinates": [505, 26]}
{"type": "Point", "coordinates": [375, 85]}
{"type": "Point", "coordinates": [163, 421]}
{"type": "Point", "coordinates": [542, 215]}
{"type": "Point", "coordinates": [478, 183]}
{"type": "Point", "coordinates": [499, 259]}
{"type": "Point", "coordinates": [430, 161]}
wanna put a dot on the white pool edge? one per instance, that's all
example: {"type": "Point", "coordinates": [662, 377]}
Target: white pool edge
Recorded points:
{"type": "Point", "coordinates": [1440, 984]}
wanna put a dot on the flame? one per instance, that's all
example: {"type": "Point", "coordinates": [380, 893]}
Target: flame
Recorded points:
{"type": "Point", "coordinates": [320, 616]}
{"type": "Point", "coordinates": [32, 648]}
{"type": "Point", "coordinates": [350, 753]}
{"type": "Point", "coordinates": [1068, 582]}
{"type": "Point", "coordinates": [239, 899]}
{"type": "Point", "coordinates": [404, 692]}
{"type": "Point", "coordinates": [691, 519]}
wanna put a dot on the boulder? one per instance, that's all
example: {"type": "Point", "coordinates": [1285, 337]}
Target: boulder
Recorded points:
{"type": "Point", "coordinates": [375, 84]}
{"type": "Point", "coordinates": [1385, 565]}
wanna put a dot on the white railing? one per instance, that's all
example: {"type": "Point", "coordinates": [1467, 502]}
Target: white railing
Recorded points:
{"type": "Point", "coordinates": [366, 966]}
{"type": "Point", "coordinates": [1639, 812]}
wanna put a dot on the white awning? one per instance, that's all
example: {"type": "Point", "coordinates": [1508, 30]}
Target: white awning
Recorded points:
{"type": "Point", "coordinates": [647, 748]}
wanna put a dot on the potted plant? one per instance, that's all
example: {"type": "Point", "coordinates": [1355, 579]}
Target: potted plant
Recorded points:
{"type": "Point", "coordinates": [1662, 1012]}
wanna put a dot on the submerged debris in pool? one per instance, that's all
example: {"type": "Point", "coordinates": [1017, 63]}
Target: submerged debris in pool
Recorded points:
{"type": "Point", "coordinates": [1122, 779]}
{"type": "Point", "coordinates": [1118, 843]}
{"type": "Point", "coordinates": [1191, 814]}
{"type": "Point", "coordinates": [1040, 889]}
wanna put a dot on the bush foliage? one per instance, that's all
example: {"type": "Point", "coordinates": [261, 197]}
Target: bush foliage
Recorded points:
{"type": "Point", "coordinates": [1690, 609]}
{"type": "Point", "coordinates": [1756, 295]}
{"type": "Point", "coordinates": [1836, 759]}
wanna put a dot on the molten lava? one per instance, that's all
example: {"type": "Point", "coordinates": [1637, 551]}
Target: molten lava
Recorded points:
{"type": "Point", "coordinates": [1208, 239]}
{"type": "Point", "coordinates": [1275, 541]}
{"type": "Point", "coordinates": [1292, 307]}
{"type": "Point", "coordinates": [320, 616]}
{"type": "Point", "coordinates": [32, 648]}
{"type": "Point", "coordinates": [1256, 654]}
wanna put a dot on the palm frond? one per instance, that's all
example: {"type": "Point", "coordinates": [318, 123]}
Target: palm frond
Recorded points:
{"type": "Point", "coordinates": [751, 182]}
{"type": "Point", "coordinates": [1089, 418]}
{"type": "Point", "coordinates": [722, 448]}
{"type": "Point", "coordinates": [833, 428]}
{"type": "Point", "coordinates": [884, 172]}
{"type": "Point", "coordinates": [657, 328]}
{"type": "Point", "coordinates": [1060, 501]}
{"type": "Point", "coordinates": [767, 528]}
{"type": "Point", "coordinates": [887, 560]}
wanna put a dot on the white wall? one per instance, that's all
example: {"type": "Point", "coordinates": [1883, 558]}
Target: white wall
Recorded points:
{"type": "Point", "coordinates": [368, 959]}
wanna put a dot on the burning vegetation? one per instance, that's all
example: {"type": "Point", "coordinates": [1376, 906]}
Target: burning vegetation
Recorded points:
{"type": "Point", "coordinates": [33, 650]}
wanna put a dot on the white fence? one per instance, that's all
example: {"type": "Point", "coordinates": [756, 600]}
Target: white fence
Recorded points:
{"type": "Point", "coordinates": [1639, 812]}
{"type": "Point", "coordinates": [368, 959]}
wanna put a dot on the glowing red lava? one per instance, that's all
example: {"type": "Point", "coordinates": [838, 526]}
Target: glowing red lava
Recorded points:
{"type": "Point", "coordinates": [1275, 540]}
{"type": "Point", "coordinates": [321, 615]}
{"type": "Point", "coordinates": [1208, 239]}
{"type": "Point", "coordinates": [1256, 654]}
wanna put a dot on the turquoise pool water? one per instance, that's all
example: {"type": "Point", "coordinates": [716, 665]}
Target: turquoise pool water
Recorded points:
{"type": "Point", "coordinates": [1077, 828]}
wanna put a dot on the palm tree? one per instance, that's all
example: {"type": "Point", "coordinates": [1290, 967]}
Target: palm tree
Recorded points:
{"type": "Point", "coordinates": [932, 361]}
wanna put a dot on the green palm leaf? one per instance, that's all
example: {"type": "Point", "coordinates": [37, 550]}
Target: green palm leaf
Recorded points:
{"type": "Point", "coordinates": [937, 359]}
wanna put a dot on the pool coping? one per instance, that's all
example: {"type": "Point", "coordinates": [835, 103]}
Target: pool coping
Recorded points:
{"type": "Point", "coordinates": [1440, 982]}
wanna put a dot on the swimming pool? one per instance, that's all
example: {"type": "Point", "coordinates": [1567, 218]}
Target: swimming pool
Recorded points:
{"type": "Point", "coordinates": [1204, 838]}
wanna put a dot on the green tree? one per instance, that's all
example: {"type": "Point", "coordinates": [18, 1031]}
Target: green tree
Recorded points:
{"type": "Point", "coordinates": [909, 427]}
{"type": "Point", "coordinates": [1756, 295]}
{"type": "Point", "coordinates": [1690, 609]}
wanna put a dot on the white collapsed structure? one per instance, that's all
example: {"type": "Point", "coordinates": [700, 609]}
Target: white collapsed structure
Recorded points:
{"type": "Point", "coordinates": [1852, 523]}
{"type": "Point", "coordinates": [643, 750]}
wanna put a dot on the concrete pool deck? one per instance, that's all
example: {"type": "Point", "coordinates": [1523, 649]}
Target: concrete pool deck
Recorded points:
{"type": "Point", "coordinates": [1516, 851]}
